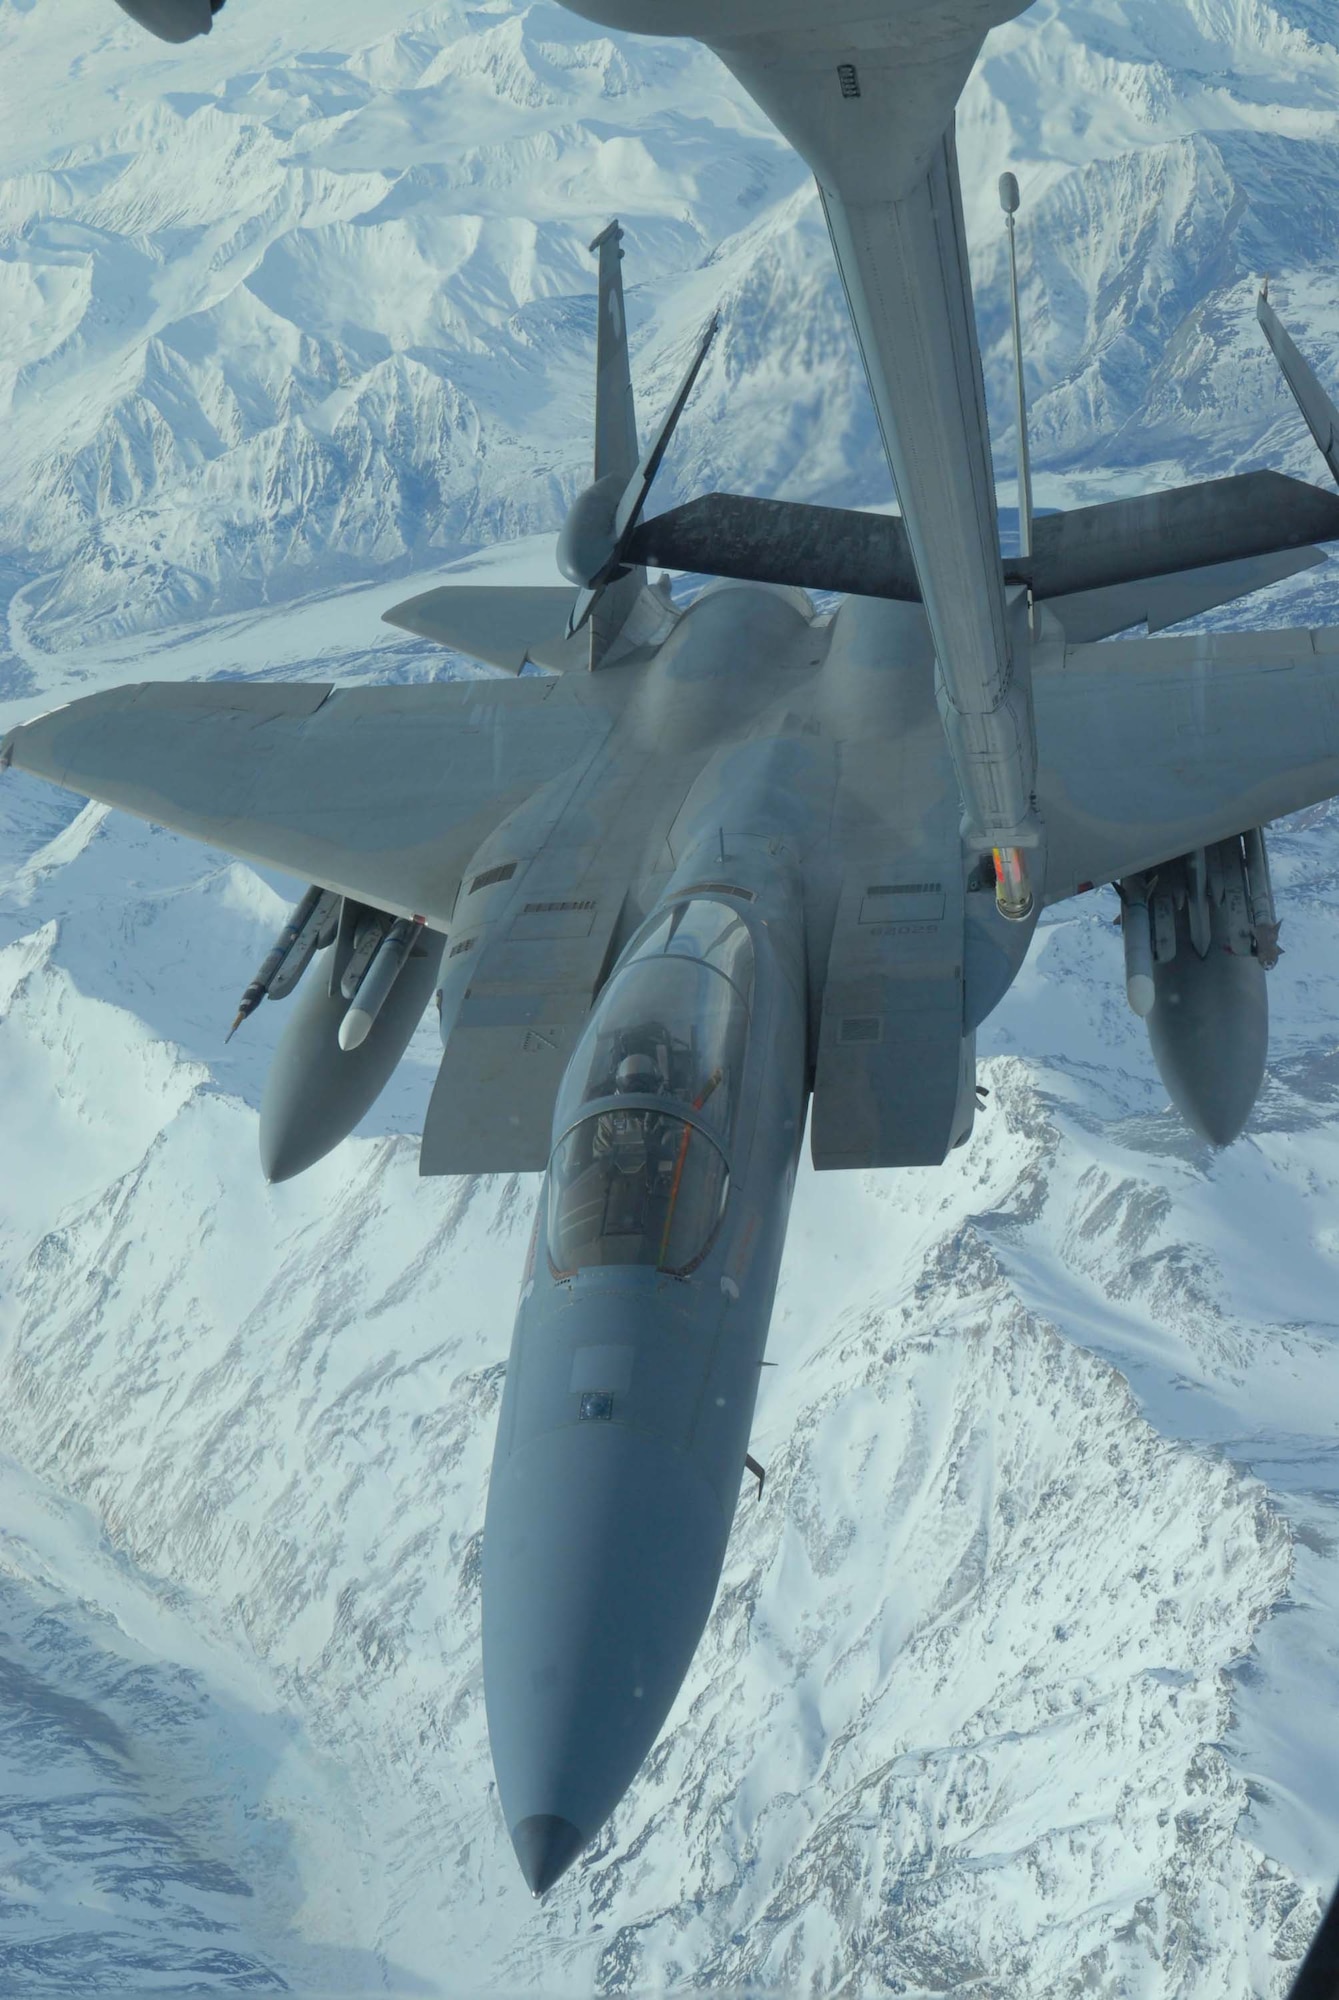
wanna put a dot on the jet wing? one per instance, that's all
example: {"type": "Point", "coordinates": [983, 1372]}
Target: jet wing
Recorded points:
{"type": "Point", "coordinates": [1151, 747]}
{"type": "Point", "coordinates": [380, 793]}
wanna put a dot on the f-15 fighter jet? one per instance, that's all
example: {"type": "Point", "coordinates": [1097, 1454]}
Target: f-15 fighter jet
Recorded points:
{"type": "Point", "coordinates": [723, 866]}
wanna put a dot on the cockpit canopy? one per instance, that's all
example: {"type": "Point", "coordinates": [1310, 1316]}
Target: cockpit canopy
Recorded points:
{"type": "Point", "coordinates": [641, 1180]}
{"type": "Point", "coordinates": [635, 1187]}
{"type": "Point", "coordinates": [679, 1006]}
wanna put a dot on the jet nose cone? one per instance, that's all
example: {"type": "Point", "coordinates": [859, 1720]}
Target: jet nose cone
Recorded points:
{"type": "Point", "coordinates": [546, 1846]}
{"type": "Point", "coordinates": [601, 1554]}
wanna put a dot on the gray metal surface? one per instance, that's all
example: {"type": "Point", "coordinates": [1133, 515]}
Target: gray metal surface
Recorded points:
{"type": "Point", "coordinates": [1183, 528]}
{"type": "Point", "coordinates": [594, 543]}
{"type": "Point", "coordinates": [616, 450]}
{"type": "Point", "coordinates": [1193, 537]}
{"type": "Point", "coordinates": [630, 1391]}
{"type": "Point", "coordinates": [1165, 600]}
{"type": "Point", "coordinates": [1322, 419]}
{"type": "Point", "coordinates": [381, 793]}
{"type": "Point", "coordinates": [504, 626]}
{"type": "Point", "coordinates": [1152, 747]}
{"type": "Point", "coordinates": [748, 859]}
{"type": "Point", "coordinates": [1147, 749]}
{"type": "Point", "coordinates": [315, 1091]}
{"type": "Point", "coordinates": [1209, 1031]}
{"type": "Point", "coordinates": [172, 20]}
{"type": "Point", "coordinates": [882, 151]}
{"type": "Point", "coordinates": [783, 541]}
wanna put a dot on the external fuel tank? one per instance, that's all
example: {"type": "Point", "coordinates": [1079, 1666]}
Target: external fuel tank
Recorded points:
{"type": "Point", "coordinates": [317, 1090]}
{"type": "Point", "coordinates": [1198, 934]}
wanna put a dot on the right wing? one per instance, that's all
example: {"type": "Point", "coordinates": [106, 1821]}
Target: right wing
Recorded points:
{"type": "Point", "coordinates": [380, 793]}
{"type": "Point", "coordinates": [1149, 748]}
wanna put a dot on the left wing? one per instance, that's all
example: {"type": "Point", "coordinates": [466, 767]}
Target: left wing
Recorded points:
{"type": "Point", "coordinates": [1151, 747]}
{"type": "Point", "coordinates": [380, 793]}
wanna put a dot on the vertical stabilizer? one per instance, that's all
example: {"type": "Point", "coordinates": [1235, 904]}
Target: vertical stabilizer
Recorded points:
{"type": "Point", "coordinates": [616, 451]}
{"type": "Point", "coordinates": [1322, 419]}
{"type": "Point", "coordinates": [615, 416]}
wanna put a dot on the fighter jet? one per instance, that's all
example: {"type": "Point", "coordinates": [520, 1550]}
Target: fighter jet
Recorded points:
{"type": "Point", "coordinates": [722, 867]}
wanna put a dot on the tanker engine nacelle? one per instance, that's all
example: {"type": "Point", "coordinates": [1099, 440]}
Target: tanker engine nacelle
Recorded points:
{"type": "Point", "coordinates": [1200, 933]}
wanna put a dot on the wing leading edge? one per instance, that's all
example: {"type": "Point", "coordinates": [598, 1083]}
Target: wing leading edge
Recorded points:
{"type": "Point", "coordinates": [1154, 747]}
{"type": "Point", "coordinates": [379, 793]}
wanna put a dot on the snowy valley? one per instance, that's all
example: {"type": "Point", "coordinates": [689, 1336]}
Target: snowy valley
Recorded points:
{"type": "Point", "coordinates": [1023, 1673]}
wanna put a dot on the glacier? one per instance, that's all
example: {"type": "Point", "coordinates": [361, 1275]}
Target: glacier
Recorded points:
{"type": "Point", "coordinates": [1022, 1671]}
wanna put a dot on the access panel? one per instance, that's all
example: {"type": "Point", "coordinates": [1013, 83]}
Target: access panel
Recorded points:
{"type": "Point", "coordinates": [891, 1052]}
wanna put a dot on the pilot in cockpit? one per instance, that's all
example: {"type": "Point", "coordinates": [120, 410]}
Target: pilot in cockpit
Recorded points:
{"type": "Point", "coordinates": [629, 1140]}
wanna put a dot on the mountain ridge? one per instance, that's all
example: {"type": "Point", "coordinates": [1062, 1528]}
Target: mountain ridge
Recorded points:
{"type": "Point", "coordinates": [1021, 1671]}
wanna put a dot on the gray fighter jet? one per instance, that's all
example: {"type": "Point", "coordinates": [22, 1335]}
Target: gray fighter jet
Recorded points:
{"type": "Point", "coordinates": [723, 865]}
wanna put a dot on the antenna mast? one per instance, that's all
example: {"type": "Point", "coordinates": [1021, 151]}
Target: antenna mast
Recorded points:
{"type": "Point", "coordinates": [1009, 203]}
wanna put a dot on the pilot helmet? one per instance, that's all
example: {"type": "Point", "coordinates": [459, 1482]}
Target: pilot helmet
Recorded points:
{"type": "Point", "coordinates": [637, 1073]}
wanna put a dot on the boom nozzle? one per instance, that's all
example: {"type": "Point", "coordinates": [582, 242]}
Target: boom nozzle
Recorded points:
{"type": "Point", "coordinates": [1013, 891]}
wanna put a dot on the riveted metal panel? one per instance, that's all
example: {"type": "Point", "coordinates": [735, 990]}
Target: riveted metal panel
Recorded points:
{"type": "Point", "coordinates": [888, 1078]}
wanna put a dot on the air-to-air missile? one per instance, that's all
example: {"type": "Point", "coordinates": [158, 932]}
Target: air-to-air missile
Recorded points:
{"type": "Point", "coordinates": [349, 1028]}
{"type": "Point", "coordinates": [638, 1342]}
{"type": "Point", "coordinates": [310, 924]}
{"type": "Point", "coordinates": [1200, 933]}
{"type": "Point", "coordinates": [368, 994]}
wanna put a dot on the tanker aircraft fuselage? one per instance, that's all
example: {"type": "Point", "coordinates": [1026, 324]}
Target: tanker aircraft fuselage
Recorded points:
{"type": "Point", "coordinates": [722, 867]}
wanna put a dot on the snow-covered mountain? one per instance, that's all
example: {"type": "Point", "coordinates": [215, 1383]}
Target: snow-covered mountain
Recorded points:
{"type": "Point", "coordinates": [1023, 1672]}
{"type": "Point", "coordinates": [309, 301]}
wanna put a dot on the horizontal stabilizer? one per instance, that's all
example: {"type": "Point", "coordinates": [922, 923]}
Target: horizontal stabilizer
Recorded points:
{"type": "Point", "coordinates": [1160, 601]}
{"type": "Point", "coordinates": [1185, 527]}
{"type": "Point", "coordinates": [1157, 746]}
{"type": "Point", "coordinates": [502, 625]}
{"type": "Point", "coordinates": [1231, 520]}
{"type": "Point", "coordinates": [1322, 419]}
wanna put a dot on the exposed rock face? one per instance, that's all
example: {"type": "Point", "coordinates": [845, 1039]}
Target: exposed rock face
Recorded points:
{"type": "Point", "coordinates": [1021, 1673]}
{"type": "Point", "coordinates": [284, 318]}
